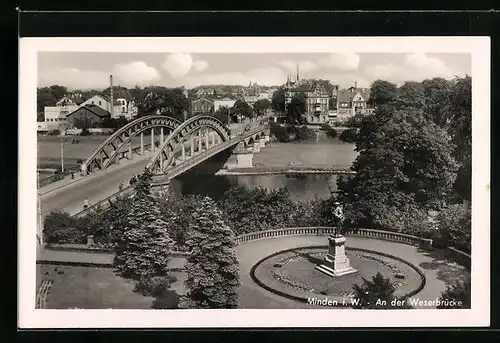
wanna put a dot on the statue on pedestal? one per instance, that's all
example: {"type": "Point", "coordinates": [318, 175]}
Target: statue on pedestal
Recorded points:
{"type": "Point", "coordinates": [338, 218]}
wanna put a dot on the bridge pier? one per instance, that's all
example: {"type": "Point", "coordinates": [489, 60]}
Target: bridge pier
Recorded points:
{"type": "Point", "coordinates": [256, 147]}
{"type": "Point", "coordinates": [262, 143]}
{"type": "Point", "coordinates": [267, 138]}
{"type": "Point", "coordinates": [142, 143]}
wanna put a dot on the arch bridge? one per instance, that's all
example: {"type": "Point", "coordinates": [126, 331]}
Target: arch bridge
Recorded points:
{"type": "Point", "coordinates": [186, 144]}
{"type": "Point", "coordinates": [119, 144]}
{"type": "Point", "coordinates": [195, 141]}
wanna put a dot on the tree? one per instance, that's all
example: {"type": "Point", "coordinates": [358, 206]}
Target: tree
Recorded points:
{"type": "Point", "coordinates": [144, 248]}
{"type": "Point", "coordinates": [377, 293]}
{"type": "Point", "coordinates": [461, 132]}
{"type": "Point", "coordinates": [409, 166]}
{"type": "Point", "coordinates": [49, 96]}
{"type": "Point", "coordinates": [456, 295]}
{"type": "Point", "coordinates": [261, 106]}
{"type": "Point", "coordinates": [278, 101]}
{"type": "Point", "coordinates": [296, 109]}
{"type": "Point", "coordinates": [169, 102]}
{"type": "Point", "coordinates": [60, 227]}
{"type": "Point", "coordinates": [410, 94]}
{"type": "Point", "coordinates": [455, 224]}
{"type": "Point", "coordinates": [212, 267]}
{"type": "Point", "coordinates": [258, 209]}
{"type": "Point", "coordinates": [437, 101]}
{"type": "Point", "coordinates": [222, 114]}
{"type": "Point", "coordinates": [242, 108]}
{"type": "Point", "coordinates": [382, 93]}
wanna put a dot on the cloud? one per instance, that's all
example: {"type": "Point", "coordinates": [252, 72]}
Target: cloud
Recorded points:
{"type": "Point", "coordinates": [200, 65]}
{"type": "Point", "coordinates": [136, 73]}
{"type": "Point", "coordinates": [415, 67]}
{"type": "Point", "coordinates": [263, 76]}
{"type": "Point", "coordinates": [346, 62]}
{"type": "Point", "coordinates": [291, 66]}
{"type": "Point", "coordinates": [74, 78]}
{"type": "Point", "coordinates": [178, 64]}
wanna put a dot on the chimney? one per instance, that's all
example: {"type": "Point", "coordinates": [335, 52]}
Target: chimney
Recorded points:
{"type": "Point", "coordinates": [111, 97]}
{"type": "Point", "coordinates": [298, 78]}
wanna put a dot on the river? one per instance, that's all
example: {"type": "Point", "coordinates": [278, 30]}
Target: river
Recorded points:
{"type": "Point", "coordinates": [325, 152]}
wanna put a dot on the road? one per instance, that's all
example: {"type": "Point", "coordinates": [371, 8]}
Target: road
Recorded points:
{"type": "Point", "coordinates": [99, 185]}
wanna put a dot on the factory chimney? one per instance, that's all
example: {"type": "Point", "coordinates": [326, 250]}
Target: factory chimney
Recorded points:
{"type": "Point", "coordinates": [111, 96]}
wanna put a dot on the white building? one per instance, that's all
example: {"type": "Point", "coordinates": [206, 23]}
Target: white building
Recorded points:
{"type": "Point", "coordinates": [58, 113]}
{"type": "Point", "coordinates": [223, 103]}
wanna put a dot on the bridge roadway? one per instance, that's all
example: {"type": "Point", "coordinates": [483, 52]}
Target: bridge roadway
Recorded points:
{"type": "Point", "coordinates": [100, 185]}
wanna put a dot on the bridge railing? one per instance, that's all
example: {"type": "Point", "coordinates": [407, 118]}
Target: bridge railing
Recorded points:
{"type": "Point", "coordinates": [106, 202]}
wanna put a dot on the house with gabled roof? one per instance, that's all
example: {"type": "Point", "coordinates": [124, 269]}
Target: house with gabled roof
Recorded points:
{"type": "Point", "coordinates": [353, 100]}
{"type": "Point", "coordinates": [90, 113]}
{"type": "Point", "coordinates": [317, 98]}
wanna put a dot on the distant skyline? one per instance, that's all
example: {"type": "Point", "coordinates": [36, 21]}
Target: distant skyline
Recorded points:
{"type": "Point", "coordinates": [85, 70]}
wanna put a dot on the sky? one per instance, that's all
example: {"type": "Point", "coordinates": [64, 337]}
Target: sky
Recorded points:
{"type": "Point", "coordinates": [85, 70]}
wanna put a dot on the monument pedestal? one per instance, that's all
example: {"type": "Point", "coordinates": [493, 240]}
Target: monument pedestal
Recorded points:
{"type": "Point", "coordinates": [336, 262]}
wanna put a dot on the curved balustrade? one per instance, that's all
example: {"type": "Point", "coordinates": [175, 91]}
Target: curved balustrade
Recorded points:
{"type": "Point", "coordinates": [320, 231]}
{"type": "Point", "coordinates": [110, 149]}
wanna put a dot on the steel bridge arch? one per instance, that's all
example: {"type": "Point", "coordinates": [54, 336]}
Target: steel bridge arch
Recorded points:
{"type": "Point", "coordinates": [180, 135]}
{"type": "Point", "coordinates": [106, 153]}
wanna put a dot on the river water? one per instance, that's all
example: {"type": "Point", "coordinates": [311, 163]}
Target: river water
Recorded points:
{"type": "Point", "coordinates": [322, 153]}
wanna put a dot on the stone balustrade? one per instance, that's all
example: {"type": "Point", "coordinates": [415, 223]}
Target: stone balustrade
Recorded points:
{"type": "Point", "coordinates": [323, 231]}
{"type": "Point", "coordinates": [460, 257]}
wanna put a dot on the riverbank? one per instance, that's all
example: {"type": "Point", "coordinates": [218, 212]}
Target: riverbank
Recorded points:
{"type": "Point", "coordinates": [280, 170]}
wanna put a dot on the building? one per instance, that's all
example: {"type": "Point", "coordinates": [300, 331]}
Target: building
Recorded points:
{"type": "Point", "coordinates": [317, 98]}
{"type": "Point", "coordinates": [58, 113]}
{"type": "Point", "coordinates": [91, 113]}
{"type": "Point", "coordinates": [223, 103]}
{"type": "Point", "coordinates": [202, 105]}
{"type": "Point", "coordinates": [351, 101]}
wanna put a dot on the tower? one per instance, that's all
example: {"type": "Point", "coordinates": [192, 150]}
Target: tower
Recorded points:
{"type": "Point", "coordinates": [298, 78]}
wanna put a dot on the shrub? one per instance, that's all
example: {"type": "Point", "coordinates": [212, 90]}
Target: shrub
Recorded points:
{"type": "Point", "coordinates": [304, 133]}
{"type": "Point", "coordinates": [59, 227]}
{"type": "Point", "coordinates": [354, 121]}
{"type": "Point", "coordinates": [455, 225]}
{"type": "Point", "coordinates": [458, 291]}
{"type": "Point", "coordinates": [54, 132]}
{"type": "Point", "coordinates": [331, 132]}
{"type": "Point", "coordinates": [85, 132]}
{"type": "Point", "coordinates": [377, 293]}
{"type": "Point", "coordinates": [349, 135]}
{"type": "Point", "coordinates": [249, 210]}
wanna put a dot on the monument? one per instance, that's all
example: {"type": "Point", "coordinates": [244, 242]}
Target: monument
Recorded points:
{"type": "Point", "coordinates": [336, 262]}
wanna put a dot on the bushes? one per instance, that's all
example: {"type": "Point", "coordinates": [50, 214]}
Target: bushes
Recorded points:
{"type": "Point", "coordinates": [330, 131]}
{"type": "Point", "coordinates": [304, 133]}
{"type": "Point", "coordinates": [258, 209]}
{"type": "Point", "coordinates": [455, 226]}
{"type": "Point", "coordinates": [54, 133]}
{"type": "Point", "coordinates": [354, 121]}
{"type": "Point", "coordinates": [288, 133]}
{"type": "Point", "coordinates": [85, 132]}
{"type": "Point", "coordinates": [59, 227]}
{"type": "Point", "coordinates": [349, 135]}
{"type": "Point", "coordinates": [456, 295]}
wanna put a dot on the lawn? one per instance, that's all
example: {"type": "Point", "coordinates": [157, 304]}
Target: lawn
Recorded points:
{"type": "Point", "coordinates": [93, 288]}
{"type": "Point", "coordinates": [49, 149]}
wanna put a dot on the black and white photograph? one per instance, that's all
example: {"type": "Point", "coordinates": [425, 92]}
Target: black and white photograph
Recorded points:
{"type": "Point", "coordinates": [213, 181]}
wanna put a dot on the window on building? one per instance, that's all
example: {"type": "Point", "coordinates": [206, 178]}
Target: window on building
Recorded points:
{"type": "Point", "coordinates": [100, 103]}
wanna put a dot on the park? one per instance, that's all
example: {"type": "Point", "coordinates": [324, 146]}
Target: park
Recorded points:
{"type": "Point", "coordinates": [403, 242]}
